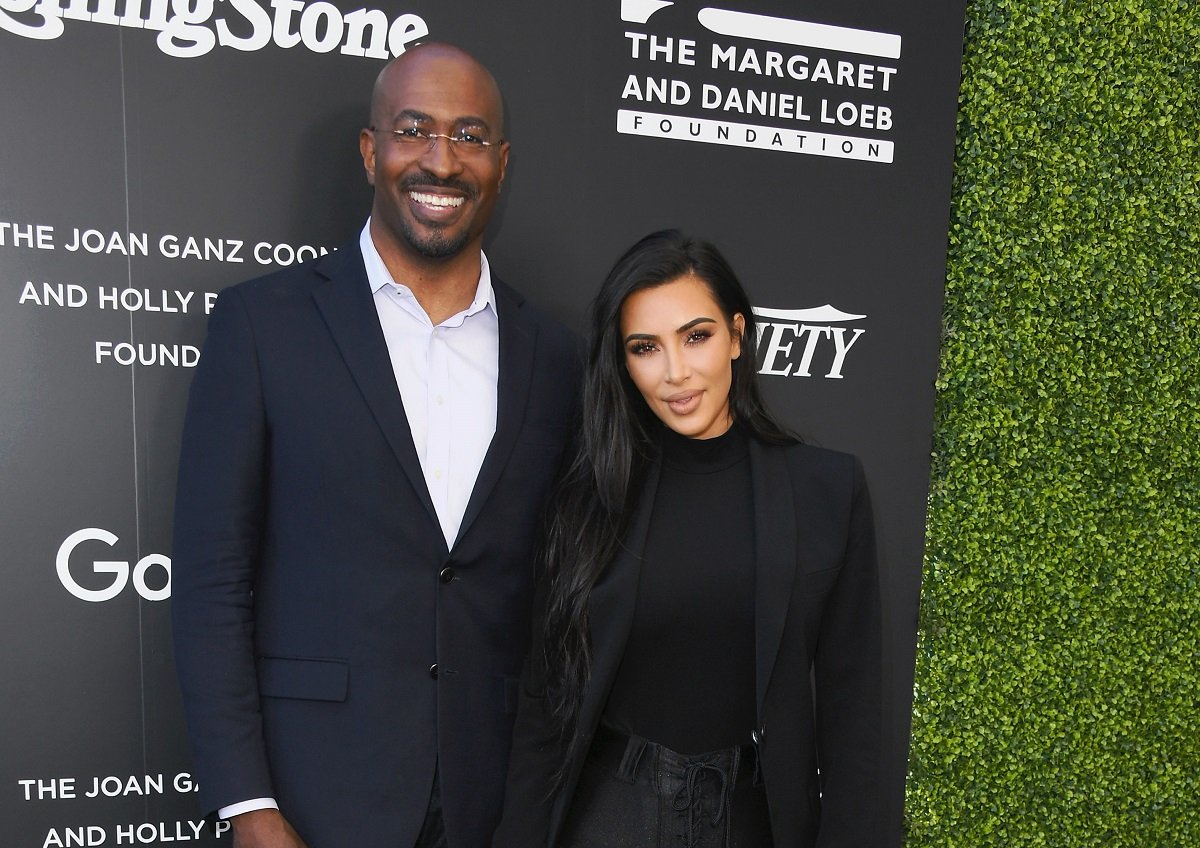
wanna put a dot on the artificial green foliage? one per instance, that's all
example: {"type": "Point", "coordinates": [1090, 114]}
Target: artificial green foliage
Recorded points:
{"type": "Point", "coordinates": [1057, 700]}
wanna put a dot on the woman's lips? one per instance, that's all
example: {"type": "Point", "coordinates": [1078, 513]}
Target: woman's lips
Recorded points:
{"type": "Point", "coordinates": [682, 403]}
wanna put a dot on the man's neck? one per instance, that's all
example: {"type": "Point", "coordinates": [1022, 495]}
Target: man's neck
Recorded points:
{"type": "Point", "coordinates": [443, 287]}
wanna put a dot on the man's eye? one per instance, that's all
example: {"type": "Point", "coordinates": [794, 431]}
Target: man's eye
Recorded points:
{"type": "Point", "coordinates": [415, 133]}
{"type": "Point", "coordinates": [470, 139]}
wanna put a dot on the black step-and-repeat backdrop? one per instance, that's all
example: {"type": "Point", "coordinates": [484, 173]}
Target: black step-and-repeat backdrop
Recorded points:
{"type": "Point", "coordinates": [155, 151]}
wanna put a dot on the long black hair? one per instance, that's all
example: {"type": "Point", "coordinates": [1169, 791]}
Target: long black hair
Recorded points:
{"type": "Point", "coordinates": [598, 493]}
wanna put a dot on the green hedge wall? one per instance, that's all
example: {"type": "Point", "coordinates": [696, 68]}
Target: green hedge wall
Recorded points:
{"type": "Point", "coordinates": [1057, 700]}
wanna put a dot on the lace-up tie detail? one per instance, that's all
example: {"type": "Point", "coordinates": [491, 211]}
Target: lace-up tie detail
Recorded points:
{"type": "Point", "coordinates": [692, 798]}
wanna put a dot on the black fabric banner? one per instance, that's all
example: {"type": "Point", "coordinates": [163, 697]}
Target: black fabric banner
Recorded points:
{"type": "Point", "coordinates": [156, 152]}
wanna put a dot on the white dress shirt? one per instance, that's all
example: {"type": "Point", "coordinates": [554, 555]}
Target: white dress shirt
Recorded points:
{"type": "Point", "coordinates": [447, 377]}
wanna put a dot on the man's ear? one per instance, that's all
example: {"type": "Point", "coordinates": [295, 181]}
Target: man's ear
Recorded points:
{"type": "Point", "coordinates": [504, 148]}
{"type": "Point", "coordinates": [366, 146]}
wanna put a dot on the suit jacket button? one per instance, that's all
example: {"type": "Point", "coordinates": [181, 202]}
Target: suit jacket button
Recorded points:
{"type": "Point", "coordinates": [446, 574]}
{"type": "Point", "coordinates": [433, 671]}
{"type": "Point", "coordinates": [756, 735]}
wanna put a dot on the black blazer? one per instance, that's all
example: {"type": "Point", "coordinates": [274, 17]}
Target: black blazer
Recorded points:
{"type": "Point", "coordinates": [818, 636]}
{"type": "Point", "coordinates": [331, 649]}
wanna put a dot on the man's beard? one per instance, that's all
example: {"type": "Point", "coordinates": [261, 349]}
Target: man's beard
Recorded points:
{"type": "Point", "coordinates": [435, 244]}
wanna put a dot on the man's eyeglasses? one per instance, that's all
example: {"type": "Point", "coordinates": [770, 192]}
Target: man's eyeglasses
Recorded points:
{"type": "Point", "coordinates": [464, 142]}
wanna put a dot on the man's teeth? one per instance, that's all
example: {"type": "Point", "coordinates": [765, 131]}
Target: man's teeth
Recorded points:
{"type": "Point", "coordinates": [435, 199]}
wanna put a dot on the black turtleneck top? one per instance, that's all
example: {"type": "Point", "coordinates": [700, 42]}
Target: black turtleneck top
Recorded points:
{"type": "Point", "coordinates": [686, 679]}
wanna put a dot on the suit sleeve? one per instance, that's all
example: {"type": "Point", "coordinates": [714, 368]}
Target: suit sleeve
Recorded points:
{"type": "Point", "coordinates": [219, 512]}
{"type": "Point", "coordinates": [848, 672]}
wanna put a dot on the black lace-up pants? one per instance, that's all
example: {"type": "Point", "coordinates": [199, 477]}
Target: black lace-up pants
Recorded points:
{"type": "Point", "coordinates": [633, 793]}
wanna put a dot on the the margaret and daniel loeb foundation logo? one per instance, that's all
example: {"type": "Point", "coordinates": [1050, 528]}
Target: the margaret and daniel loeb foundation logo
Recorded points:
{"type": "Point", "coordinates": [814, 87]}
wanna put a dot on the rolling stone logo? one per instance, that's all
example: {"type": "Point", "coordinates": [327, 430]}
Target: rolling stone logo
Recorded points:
{"type": "Point", "coordinates": [189, 28]}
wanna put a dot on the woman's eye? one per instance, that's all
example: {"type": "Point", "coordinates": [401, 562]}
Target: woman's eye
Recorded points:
{"type": "Point", "coordinates": [697, 336]}
{"type": "Point", "coordinates": [641, 348]}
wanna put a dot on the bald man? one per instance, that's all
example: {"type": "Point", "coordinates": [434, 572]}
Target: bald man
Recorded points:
{"type": "Point", "coordinates": [369, 442]}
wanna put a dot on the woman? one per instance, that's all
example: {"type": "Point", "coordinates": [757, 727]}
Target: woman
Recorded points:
{"type": "Point", "coordinates": [711, 602]}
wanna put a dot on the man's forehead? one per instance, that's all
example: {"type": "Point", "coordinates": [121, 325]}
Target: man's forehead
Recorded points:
{"type": "Point", "coordinates": [417, 116]}
{"type": "Point", "coordinates": [446, 89]}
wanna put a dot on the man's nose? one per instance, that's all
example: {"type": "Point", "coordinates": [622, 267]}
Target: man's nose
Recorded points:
{"type": "Point", "coordinates": [440, 157]}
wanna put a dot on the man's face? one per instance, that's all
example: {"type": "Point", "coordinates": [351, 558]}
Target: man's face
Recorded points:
{"type": "Point", "coordinates": [434, 200]}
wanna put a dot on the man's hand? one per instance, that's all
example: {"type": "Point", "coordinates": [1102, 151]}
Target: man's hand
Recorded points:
{"type": "Point", "coordinates": [264, 829]}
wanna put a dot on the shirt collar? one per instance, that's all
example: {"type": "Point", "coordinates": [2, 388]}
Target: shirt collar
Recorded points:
{"type": "Point", "coordinates": [378, 275]}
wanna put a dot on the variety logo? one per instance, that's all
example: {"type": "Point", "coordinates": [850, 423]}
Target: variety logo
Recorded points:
{"type": "Point", "coordinates": [118, 572]}
{"type": "Point", "coordinates": [794, 342]}
{"type": "Point", "coordinates": [188, 28]}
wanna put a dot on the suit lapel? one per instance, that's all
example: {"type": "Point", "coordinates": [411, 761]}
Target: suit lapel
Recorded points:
{"type": "Point", "coordinates": [610, 616]}
{"type": "Point", "coordinates": [518, 341]}
{"type": "Point", "coordinates": [345, 303]}
{"type": "Point", "coordinates": [775, 552]}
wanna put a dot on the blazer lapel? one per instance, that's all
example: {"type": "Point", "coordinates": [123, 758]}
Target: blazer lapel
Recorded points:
{"type": "Point", "coordinates": [345, 303]}
{"type": "Point", "coordinates": [518, 342]}
{"type": "Point", "coordinates": [610, 616]}
{"type": "Point", "coordinates": [775, 551]}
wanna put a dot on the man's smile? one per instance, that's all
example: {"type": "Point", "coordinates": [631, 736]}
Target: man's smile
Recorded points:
{"type": "Point", "coordinates": [440, 200]}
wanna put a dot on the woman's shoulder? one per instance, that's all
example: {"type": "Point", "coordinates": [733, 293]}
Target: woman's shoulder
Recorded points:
{"type": "Point", "coordinates": [809, 454]}
{"type": "Point", "coordinates": [813, 466]}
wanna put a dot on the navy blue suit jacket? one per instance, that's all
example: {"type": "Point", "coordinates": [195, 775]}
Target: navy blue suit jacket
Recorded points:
{"type": "Point", "coordinates": [313, 589]}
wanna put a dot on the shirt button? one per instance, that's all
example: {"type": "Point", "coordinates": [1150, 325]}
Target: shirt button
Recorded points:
{"type": "Point", "coordinates": [433, 671]}
{"type": "Point", "coordinates": [446, 574]}
{"type": "Point", "coordinates": [437, 474]}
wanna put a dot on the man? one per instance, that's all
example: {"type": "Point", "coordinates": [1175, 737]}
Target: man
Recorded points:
{"type": "Point", "coordinates": [368, 446]}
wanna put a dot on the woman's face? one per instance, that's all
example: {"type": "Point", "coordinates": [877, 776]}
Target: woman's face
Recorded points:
{"type": "Point", "coordinates": [679, 347]}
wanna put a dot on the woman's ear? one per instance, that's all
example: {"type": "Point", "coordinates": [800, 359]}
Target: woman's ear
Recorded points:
{"type": "Point", "coordinates": [737, 332]}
